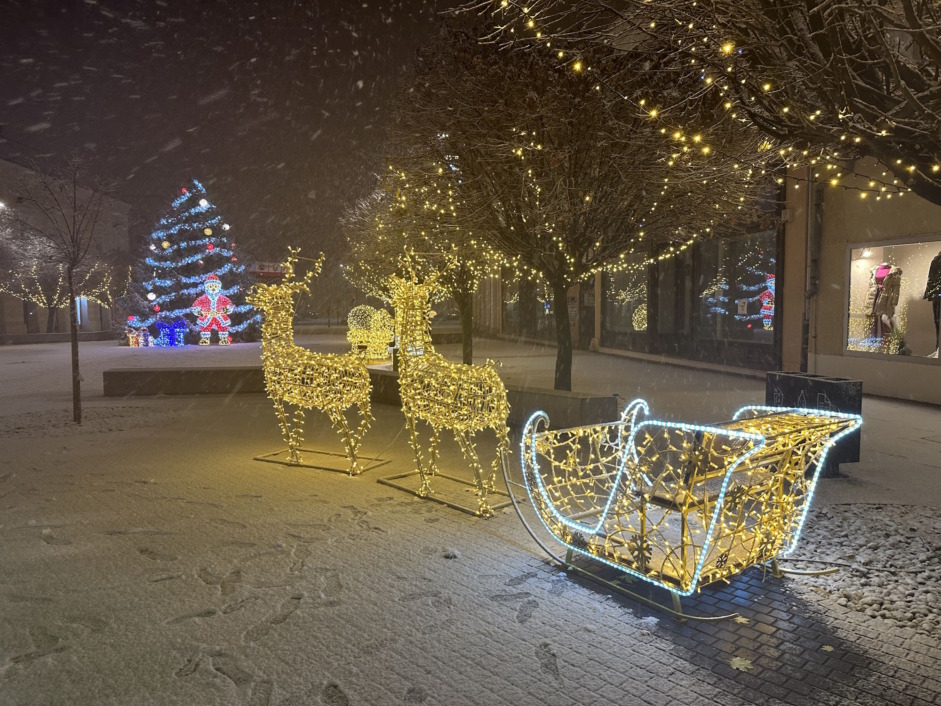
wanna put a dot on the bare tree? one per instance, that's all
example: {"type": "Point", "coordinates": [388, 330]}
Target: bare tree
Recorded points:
{"type": "Point", "coordinates": [570, 176]}
{"type": "Point", "coordinates": [838, 79]}
{"type": "Point", "coordinates": [58, 212]}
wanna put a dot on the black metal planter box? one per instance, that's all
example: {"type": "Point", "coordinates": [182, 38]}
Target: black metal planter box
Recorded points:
{"type": "Point", "coordinates": [820, 392]}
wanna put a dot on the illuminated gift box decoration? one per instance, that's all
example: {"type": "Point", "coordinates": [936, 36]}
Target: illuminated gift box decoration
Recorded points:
{"type": "Point", "coordinates": [465, 399]}
{"type": "Point", "coordinates": [680, 505]}
{"type": "Point", "coordinates": [304, 379]}
{"type": "Point", "coordinates": [137, 335]}
{"type": "Point", "coordinates": [370, 331]}
{"type": "Point", "coordinates": [170, 335]}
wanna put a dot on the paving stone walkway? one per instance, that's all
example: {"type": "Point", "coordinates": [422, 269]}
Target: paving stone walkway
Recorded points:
{"type": "Point", "coordinates": [150, 560]}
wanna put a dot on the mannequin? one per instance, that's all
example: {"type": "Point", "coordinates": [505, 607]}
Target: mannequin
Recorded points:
{"type": "Point", "coordinates": [933, 292]}
{"type": "Point", "coordinates": [885, 281]}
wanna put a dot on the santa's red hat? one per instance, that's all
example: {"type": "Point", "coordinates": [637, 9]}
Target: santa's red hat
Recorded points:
{"type": "Point", "coordinates": [212, 278]}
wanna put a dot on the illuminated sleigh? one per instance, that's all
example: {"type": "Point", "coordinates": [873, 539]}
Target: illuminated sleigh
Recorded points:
{"type": "Point", "coordinates": [677, 505]}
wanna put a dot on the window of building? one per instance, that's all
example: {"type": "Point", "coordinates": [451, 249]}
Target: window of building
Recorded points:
{"type": "Point", "coordinates": [625, 300]}
{"type": "Point", "coordinates": [895, 298]}
{"type": "Point", "coordinates": [736, 288]}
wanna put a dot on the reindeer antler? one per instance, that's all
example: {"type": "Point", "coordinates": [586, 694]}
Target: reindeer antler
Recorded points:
{"type": "Point", "coordinates": [293, 257]}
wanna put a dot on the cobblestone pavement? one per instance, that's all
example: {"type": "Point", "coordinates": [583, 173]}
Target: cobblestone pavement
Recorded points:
{"type": "Point", "coordinates": [160, 564]}
{"type": "Point", "coordinates": [147, 559]}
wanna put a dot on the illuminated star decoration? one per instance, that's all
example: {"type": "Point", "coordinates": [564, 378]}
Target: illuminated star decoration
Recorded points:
{"type": "Point", "coordinates": [304, 379]}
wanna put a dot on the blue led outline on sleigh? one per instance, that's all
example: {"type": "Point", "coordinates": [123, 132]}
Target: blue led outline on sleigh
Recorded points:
{"type": "Point", "coordinates": [633, 410]}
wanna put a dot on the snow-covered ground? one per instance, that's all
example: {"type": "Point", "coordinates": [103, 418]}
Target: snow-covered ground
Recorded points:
{"type": "Point", "coordinates": [147, 558]}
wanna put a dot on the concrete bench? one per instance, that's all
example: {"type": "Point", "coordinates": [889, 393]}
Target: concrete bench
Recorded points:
{"type": "Point", "coordinates": [569, 408]}
{"type": "Point", "coordinates": [143, 382]}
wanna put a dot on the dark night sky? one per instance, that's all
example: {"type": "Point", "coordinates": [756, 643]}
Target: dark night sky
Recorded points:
{"type": "Point", "coordinates": [277, 106]}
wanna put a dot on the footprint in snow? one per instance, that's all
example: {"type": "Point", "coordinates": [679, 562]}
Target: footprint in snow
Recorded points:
{"type": "Point", "coordinates": [548, 663]}
{"type": "Point", "coordinates": [333, 695]}
{"type": "Point", "coordinates": [526, 610]}
{"type": "Point", "coordinates": [207, 613]}
{"type": "Point", "coordinates": [155, 555]}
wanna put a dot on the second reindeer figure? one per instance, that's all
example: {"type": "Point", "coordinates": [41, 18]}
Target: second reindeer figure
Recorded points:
{"type": "Point", "coordinates": [463, 398]}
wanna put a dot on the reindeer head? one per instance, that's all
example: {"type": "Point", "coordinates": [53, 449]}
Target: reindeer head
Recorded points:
{"type": "Point", "coordinates": [411, 300]}
{"type": "Point", "coordinates": [276, 301]}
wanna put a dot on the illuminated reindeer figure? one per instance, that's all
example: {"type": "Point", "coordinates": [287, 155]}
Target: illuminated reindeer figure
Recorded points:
{"type": "Point", "coordinates": [463, 398]}
{"type": "Point", "coordinates": [305, 379]}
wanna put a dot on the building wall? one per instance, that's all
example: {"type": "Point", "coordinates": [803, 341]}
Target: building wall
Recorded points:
{"type": "Point", "coordinates": [794, 279]}
{"type": "Point", "coordinates": [850, 222]}
{"type": "Point", "coordinates": [111, 235]}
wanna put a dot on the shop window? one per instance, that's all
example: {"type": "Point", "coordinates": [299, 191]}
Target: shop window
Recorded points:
{"type": "Point", "coordinates": [736, 288]}
{"type": "Point", "coordinates": [626, 299]}
{"type": "Point", "coordinates": [895, 299]}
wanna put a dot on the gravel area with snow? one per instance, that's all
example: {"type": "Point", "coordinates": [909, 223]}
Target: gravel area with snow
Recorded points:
{"type": "Point", "coordinates": [889, 560]}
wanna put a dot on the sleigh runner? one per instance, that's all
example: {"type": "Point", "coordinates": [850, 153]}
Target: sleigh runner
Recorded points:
{"type": "Point", "coordinates": [676, 505]}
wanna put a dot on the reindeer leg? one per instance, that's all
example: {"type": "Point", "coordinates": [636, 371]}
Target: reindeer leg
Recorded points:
{"type": "Point", "coordinates": [433, 451]}
{"type": "Point", "coordinates": [286, 431]}
{"type": "Point", "coordinates": [341, 426]}
{"type": "Point", "coordinates": [425, 489]}
{"type": "Point", "coordinates": [466, 442]}
{"type": "Point", "coordinates": [365, 420]}
{"type": "Point", "coordinates": [503, 448]}
{"type": "Point", "coordinates": [297, 434]}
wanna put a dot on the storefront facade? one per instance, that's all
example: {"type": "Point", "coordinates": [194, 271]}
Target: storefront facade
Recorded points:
{"type": "Point", "coordinates": [833, 284]}
{"type": "Point", "coordinates": [874, 271]}
{"type": "Point", "coordinates": [713, 303]}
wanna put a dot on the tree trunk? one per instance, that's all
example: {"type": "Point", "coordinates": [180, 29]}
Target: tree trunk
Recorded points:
{"type": "Point", "coordinates": [51, 316]}
{"type": "Point", "coordinates": [563, 334]}
{"type": "Point", "coordinates": [73, 329]}
{"type": "Point", "coordinates": [465, 308]}
{"type": "Point", "coordinates": [526, 305]}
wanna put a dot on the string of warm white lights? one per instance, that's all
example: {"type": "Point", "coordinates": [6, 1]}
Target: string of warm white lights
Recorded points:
{"type": "Point", "coordinates": [464, 399]}
{"type": "Point", "coordinates": [297, 377]}
{"type": "Point", "coordinates": [46, 285]}
{"type": "Point", "coordinates": [721, 69]}
{"type": "Point", "coordinates": [680, 505]}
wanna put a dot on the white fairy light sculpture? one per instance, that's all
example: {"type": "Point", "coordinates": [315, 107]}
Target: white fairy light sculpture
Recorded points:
{"type": "Point", "coordinates": [304, 379]}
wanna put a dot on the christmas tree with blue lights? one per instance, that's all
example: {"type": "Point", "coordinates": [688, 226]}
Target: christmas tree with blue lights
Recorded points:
{"type": "Point", "coordinates": [193, 278]}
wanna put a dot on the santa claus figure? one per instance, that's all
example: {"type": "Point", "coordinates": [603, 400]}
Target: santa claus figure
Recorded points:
{"type": "Point", "coordinates": [767, 303]}
{"type": "Point", "coordinates": [211, 311]}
